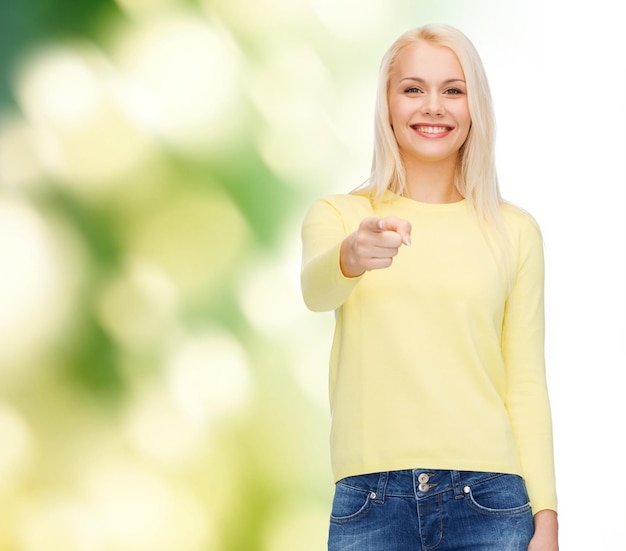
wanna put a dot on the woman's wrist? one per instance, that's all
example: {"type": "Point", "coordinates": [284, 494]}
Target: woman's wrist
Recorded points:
{"type": "Point", "coordinates": [348, 262]}
{"type": "Point", "coordinates": [547, 518]}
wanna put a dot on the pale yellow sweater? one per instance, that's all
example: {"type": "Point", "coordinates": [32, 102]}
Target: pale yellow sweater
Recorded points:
{"type": "Point", "coordinates": [437, 361]}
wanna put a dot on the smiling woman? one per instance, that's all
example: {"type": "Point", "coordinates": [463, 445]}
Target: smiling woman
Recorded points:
{"type": "Point", "coordinates": [437, 379]}
{"type": "Point", "coordinates": [430, 116]}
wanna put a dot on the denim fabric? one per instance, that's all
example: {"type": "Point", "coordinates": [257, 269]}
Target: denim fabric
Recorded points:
{"type": "Point", "coordinates": [424, 509]}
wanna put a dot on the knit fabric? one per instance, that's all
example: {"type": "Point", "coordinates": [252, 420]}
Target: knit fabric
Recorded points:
{"type": "Point", "coordinates": [437, 361]}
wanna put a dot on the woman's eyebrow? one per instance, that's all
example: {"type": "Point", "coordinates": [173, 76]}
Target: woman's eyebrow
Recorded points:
{"type": "Point", "coordinates": [422, 81]}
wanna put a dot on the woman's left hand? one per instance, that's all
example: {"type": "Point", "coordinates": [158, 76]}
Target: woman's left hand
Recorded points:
{"type": "Point", "coordinates": [546, 536]}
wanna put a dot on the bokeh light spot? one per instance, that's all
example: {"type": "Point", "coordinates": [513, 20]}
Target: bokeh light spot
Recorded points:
{"type": "Point", "coordinates": [289, 86]}
{"type": "Point", "coordinates": [270, 300]}
{"type": "Point", "coordinates": [195, 238]}
{"type": "Point", "coordinates": [38, 282]}
{"type": "Point", "coordinates": [140, 511]}
{"type": "Point", "coordinates": [209, 376]}
{"type": "Point", "coordinates": [72, 96]}
{"type": "Point", "coordinates": [297, 522]}
{"type": "Point", "coordinates": [17, 450]}
{"type": "Point", "coordinates": [159, 429]}
{"type": "Point", "coordinates": [187, 71]}
{"type": "Point", "coordinates": [57, 523]}
{"type": "Point", "coordinates": [20, 166]}
{"type": "Point", "coordinates": [139, 305]}
{"type": "Point", "coordinates": [351, 18]}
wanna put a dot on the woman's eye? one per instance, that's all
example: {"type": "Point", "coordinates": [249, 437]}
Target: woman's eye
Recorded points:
{"type": "Point", "coordinates": [412, 91]}
{"type": "Point", "coordinates": [453, 91]}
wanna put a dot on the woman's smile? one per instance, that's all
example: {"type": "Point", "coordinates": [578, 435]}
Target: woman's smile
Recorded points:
{"type": "Point", "coordinates": [431, 131]}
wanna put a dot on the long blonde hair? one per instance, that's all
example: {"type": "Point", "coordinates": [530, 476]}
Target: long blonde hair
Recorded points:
{"type": "Point", "coordinates": [475, 178]}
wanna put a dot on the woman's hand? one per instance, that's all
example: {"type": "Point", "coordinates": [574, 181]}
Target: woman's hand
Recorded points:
{"type": "Point", "coordinates": [546, 536]}
{"type": "Point", "coordinates": [373, 245]}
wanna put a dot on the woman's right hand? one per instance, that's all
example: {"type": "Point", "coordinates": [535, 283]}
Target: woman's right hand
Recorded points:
{"type": "Point", "coordinates": [373, 245]}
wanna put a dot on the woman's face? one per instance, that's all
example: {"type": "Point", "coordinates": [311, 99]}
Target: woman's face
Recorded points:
{"type": "Point", "coordinates": [428, 104]}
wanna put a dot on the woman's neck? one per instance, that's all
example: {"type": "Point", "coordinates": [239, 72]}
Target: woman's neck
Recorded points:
{"type": "Point", "coordinates": [432, 182]}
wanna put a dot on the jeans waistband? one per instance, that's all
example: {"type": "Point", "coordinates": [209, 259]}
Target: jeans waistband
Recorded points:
{"type": "Point", "coordinates": [417, 482]}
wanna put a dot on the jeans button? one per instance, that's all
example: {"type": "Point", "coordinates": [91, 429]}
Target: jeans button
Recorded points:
{"type": "Point", "coordinates": [423, 487]}
{"type": "Point", "coordinates": [423, 478]}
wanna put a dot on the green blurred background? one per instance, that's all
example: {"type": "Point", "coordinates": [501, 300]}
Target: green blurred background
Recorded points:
{"type": "Point", "coordinates": [162, 386]}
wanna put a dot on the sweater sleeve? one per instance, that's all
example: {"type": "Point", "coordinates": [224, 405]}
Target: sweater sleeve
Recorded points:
{"type": "Point", "coordinates": [324, 287]}
{"type": "Point", "coordinates": [523, 352]}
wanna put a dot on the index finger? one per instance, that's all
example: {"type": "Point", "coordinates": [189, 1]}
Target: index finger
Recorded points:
{"type": "Point", "coordinates": [398, 225]}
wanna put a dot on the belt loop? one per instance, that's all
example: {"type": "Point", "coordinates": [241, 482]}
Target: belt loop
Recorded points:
{"type": "Point", "coordinates": [456, 484]}
{"type": "Point", "coordinates": [380, 490]}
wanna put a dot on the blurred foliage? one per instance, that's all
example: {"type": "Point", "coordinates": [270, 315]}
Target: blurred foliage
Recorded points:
{"type": "Point", "coordinates": [161, 384]}
{"type": "Point", "coordinates": [25, 24]}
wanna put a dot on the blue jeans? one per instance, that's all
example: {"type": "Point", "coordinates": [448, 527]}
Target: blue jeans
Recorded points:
{"type": "Point", "coordinates": [424, 509]}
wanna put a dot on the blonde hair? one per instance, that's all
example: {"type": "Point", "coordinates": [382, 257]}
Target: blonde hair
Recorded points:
{"type": "Point", "coordinates": [475, 178]}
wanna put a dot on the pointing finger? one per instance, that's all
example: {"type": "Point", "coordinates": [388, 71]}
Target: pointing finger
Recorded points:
{"type": "Point", "coordinates": [398, 225]}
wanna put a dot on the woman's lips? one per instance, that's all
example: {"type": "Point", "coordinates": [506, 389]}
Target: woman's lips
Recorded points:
{"type": "Point", "coordinates": [432, 131]}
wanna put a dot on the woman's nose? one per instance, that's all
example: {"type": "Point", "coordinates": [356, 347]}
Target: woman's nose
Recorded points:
{"type": "Point", "coordinates": [433, 105]}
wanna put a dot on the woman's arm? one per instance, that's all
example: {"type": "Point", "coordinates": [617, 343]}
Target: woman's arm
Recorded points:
{"type": "Point", "coordinates": [324, 286]}
{"type": "Point", "coordinates": [334, 260]}
{"type": "Point", "coordinates": [527, 400]}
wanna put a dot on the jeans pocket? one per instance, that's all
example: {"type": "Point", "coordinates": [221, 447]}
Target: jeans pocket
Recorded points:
{"type": "Point", "coordinates": [349, 503]}
{"type": "Point", "coordinates": [500, 495]}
